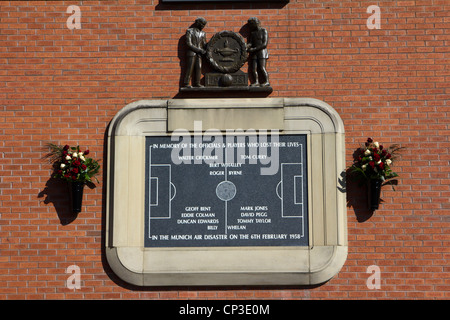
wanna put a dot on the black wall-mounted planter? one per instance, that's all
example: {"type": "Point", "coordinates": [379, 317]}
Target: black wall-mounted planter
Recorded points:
{"type": "Point", "coordinates": [76, 193]}
{"type": "Point", "coordinates": [374, 194]}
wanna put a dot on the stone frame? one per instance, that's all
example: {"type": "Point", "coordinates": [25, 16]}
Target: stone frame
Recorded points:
{"type": "Point", "coordinates": [223, 266]}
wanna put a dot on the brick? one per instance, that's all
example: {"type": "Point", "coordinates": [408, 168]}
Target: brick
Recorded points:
{"type": "Point", "coordinates": [66, 85]}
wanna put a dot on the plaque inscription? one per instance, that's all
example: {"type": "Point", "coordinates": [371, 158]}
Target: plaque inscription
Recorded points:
{"type": "Point", "coordinates": [240, 190]}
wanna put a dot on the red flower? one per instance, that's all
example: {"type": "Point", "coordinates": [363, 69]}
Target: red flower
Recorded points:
{"type": "Point", "coordinates": [66, 147]}
{"type": "Point", "coordinates": [76, 163]}
{"type": "Point", "coordinates": [376, 157]}
{"type": "Point", "coordinates": [83, 166]}
{"type": "Point", "coordinates": [74, 170]}
{"type": "Point", "coordinates": [369, 140]}
{"type": "Point", "coordinates": [372, 164]}
{"type": "Point", "coordinates": [86, 152]}
{"type": "Point", "coordinates": [381, 165]}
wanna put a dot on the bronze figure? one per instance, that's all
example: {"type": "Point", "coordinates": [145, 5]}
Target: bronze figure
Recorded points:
{"type": "Point", "coordinates": [257, 46]}
{"type": "Point", "coordinates": [196, 43]}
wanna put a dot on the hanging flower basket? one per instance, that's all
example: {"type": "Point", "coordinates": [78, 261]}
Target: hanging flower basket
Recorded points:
{"type": "Point", "coordinates": [372, 165]}
{"type": "Point", "coordinates": [72, 165]}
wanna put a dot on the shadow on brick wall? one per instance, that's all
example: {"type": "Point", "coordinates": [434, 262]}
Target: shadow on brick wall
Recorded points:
{"type": "Point", "coordinates": [205, 5]}
{"type": "Point", "coordinates": [356, 196]}
{"type": "Point", "coordinates": [56, 192]}
{"type": "Point", "coordinates": [358, 201]}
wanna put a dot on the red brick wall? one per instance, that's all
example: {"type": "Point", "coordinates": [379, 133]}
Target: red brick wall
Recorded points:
{"type": "Point", "coordinates": [65, 86]}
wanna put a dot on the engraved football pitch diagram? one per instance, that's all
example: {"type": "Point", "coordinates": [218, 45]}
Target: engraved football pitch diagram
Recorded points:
{"type": "Point", "coordinates": [226, 202]}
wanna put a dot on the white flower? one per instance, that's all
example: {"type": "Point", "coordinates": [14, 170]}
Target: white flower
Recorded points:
{"type": "Point", "coordinates": [80, 153]}
{"type": "Point", "coordinates": [376, 144]}
{"type": "Point", "coordinates": [367, 152]}
{"type": "Point", "coordinates": [379, 162]}
{"type": "Point", "coordinates": [62, 165]}
{"type": "Point", "coordinates": [67, 157]}
{"type": "Point", "coordinates": [388, 161]}
{"type": "Point", "coordinates": [82, 158]}
{"type": "Point", "coordinates": [74, 155]}
{"type": "Point", "coordinates": [364, 166]}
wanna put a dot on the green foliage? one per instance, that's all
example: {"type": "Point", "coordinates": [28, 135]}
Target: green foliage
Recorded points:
{"type": "Point", "coordinates": [71, 164]}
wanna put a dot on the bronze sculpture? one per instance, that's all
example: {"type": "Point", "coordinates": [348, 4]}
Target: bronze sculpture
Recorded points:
{"type": "Point", "coordinates": [257, 46]}
{"type": "Point", "coordinates": [226, 52]}
{"type": "Point", "coordinates": [196, 43]}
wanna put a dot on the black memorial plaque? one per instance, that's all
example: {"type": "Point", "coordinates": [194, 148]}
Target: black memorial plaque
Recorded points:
{"type": "Point", "coordinates": [235, 190]}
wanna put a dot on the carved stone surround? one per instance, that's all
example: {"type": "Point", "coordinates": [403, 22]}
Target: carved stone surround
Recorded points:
{"type": "Point", "coordinates": [137, 265]}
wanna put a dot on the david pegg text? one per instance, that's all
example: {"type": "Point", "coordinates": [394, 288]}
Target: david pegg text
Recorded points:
{"type": "Point", "coordinates": [228, 309]}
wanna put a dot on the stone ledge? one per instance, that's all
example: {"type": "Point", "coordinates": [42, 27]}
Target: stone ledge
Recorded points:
{"type": "Point", "coordinates": [320, 265]}
{"type": "Point", "coordinates": [227, 89]}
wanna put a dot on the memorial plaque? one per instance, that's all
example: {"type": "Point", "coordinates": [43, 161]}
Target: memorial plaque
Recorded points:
{"type": "Point", "coordinates": [238, 205]}
{"type": "Point", "coordinates": [236, 190]}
